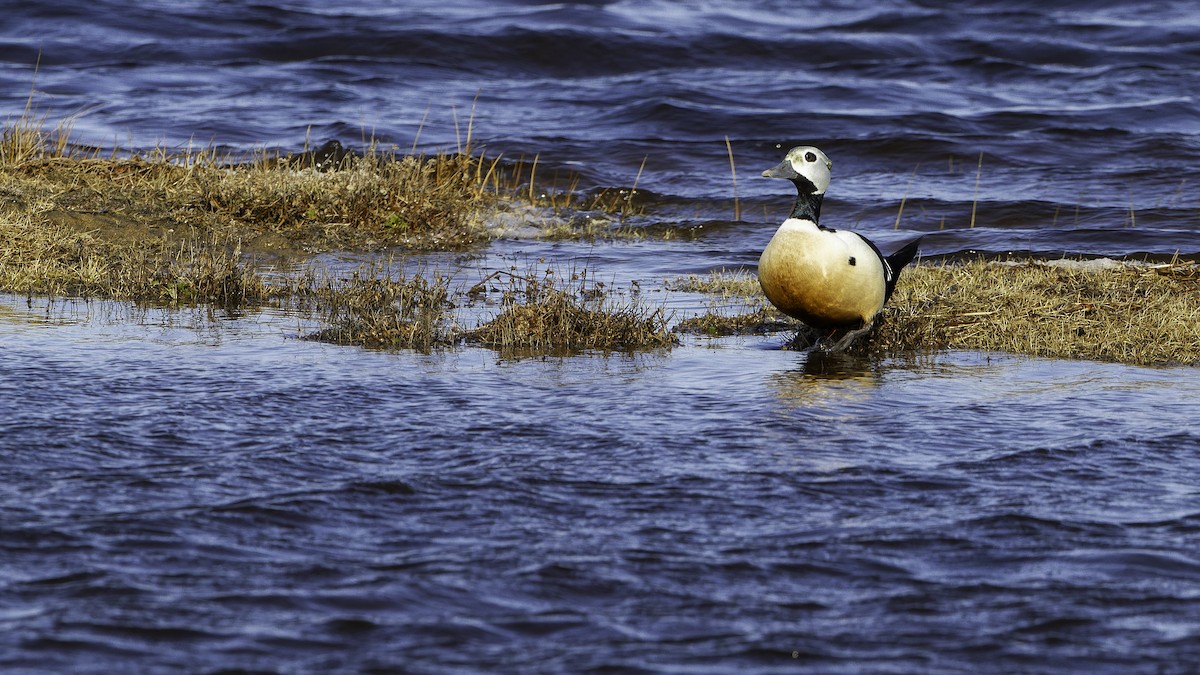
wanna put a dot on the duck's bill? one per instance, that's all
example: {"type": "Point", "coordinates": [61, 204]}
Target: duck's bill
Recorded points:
{"type": "Point", "coordinates": [782, 170]}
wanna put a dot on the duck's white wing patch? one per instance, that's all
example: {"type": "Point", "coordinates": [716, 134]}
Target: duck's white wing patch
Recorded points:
{"type": "Point", "coordinates": [862, 249]}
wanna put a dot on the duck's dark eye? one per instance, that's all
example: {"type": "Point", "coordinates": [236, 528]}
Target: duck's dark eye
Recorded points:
{"type": "Point", "coordinates": [809, 157]}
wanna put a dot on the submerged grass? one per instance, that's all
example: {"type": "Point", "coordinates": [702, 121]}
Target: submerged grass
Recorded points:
{"type": "Point", "coordinates": [737, 305]}
{"type": "Point", "coordinates": [560, 190]}
{"type": "Point", "coordinates": [51, 259]}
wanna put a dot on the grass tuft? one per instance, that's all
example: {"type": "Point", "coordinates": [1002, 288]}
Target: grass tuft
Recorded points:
{"type": "Point", "coordinates": [552, 314]}
{"type": "Point", "coordinates": [373, 309]}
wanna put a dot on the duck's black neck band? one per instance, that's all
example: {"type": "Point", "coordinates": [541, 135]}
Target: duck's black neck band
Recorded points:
{"type": "Point", "coordinates": [808, 205]}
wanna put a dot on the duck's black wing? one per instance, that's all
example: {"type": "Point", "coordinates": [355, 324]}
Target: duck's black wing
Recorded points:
{"type": "Point", "coordinates": [896, 262]}
{"type": "Point", "coordinates": [892, 264]}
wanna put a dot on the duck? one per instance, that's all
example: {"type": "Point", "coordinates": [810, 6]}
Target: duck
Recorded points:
{"type": "Point", "coordinates": [832, 280]}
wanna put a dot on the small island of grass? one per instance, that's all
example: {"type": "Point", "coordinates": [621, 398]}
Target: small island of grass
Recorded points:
{"type": "Point", "coordinates": [194, 227]}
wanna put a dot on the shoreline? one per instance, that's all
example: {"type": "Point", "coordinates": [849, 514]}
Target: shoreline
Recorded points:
{"type": "Point", "coordinates": [1098, 309]}
{"type": "Point", "coordinates": [194, 229]}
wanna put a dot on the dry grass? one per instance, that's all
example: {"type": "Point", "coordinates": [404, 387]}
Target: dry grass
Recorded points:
{"type": "Point", "coordinates": [552, 313]}
{"type": "Point", "coordinates": [176, 228]}
{"type": "Point", "coordinates": [375, 309]}
{"type": "Point", "coordinates": [30, 137]}
{"type": "Point", "coordinates": [1128, 313]}
{"type": "Point", "coordinates": [51, 259]}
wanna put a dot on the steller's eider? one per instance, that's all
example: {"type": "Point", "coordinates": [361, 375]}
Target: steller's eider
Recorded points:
{"type": "Point", "coordinates": [830, 279]}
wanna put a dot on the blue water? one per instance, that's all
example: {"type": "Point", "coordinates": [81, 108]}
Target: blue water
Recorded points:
{"type": "Point", "coordinates": [1085, 115]}
{"type": "Point", "coordinates": [194, 492]}
{"type": "Point", "coordinates": [178, 499]}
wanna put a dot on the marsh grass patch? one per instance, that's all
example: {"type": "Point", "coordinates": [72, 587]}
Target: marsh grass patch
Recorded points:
{"type": "Point", "coordinates": [185, 227]}
{"type": "Point", "coordinates": [736, 305]}
{"type": "Point", "coordinates": [379, 309]}
{"type": "Point", "coordinates": [1100, 310]}
{"type": "Point", "coordinates": [372, 199]}
{"type": "Point", "coordinates": [320, 200]}
{"type": "Point", "coordinates": [567, 313]}
{"type": "Point", "coordinates": [1108, 311]}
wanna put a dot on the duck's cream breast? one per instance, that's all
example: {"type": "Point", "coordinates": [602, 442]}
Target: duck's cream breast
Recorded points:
{"type": "Point", "coordinates": [825, 278]}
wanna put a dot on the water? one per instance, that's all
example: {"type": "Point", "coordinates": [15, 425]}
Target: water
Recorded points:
{"type": "Point", "coordinates": [183, 499]}
{"type": "Point", "coordinates": [1085, 116]}
{"type": "Point", "coordinates": [195, 493]}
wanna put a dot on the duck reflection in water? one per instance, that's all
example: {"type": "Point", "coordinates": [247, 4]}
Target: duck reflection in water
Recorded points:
{"type": "Point", "coordinates": [825, 377]}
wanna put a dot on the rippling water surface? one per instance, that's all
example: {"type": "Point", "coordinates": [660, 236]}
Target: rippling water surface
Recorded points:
{"type": "Point", "coordinates": [192, 498]}
{"type": "Point", "coordinates": [1079, 119]}
{"type": "Point", "coordinates": [181, 492]}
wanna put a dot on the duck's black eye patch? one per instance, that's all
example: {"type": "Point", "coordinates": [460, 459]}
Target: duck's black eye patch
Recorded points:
{"type": "Point", "coordinates": [809, 157]}
{"type": "Point", "coordinates": [853, 262]}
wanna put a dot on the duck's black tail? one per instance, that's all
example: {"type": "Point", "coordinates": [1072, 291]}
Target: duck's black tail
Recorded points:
{"type": "Point", "coordinates": [896, 262]}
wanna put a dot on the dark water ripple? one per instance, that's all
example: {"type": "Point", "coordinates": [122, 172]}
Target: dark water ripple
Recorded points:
{"type": "Point", "coordinates": [304, 508]}
{"type": "Point", "coordinates": [1080, 113]}
{"type": "Point", "coordinates": [179, 500]}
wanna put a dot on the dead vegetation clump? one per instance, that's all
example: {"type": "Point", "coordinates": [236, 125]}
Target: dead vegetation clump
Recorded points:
{"type": "Point", "coordinates": [373, 309]}
{"type": "Point", "coordinates": [549, 314]}
{"type": "Point", "coordinates": [538, 314]}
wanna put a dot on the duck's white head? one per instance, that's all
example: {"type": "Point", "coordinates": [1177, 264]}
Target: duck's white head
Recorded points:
{"type": "Point", "coordinates": [805, 166]}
